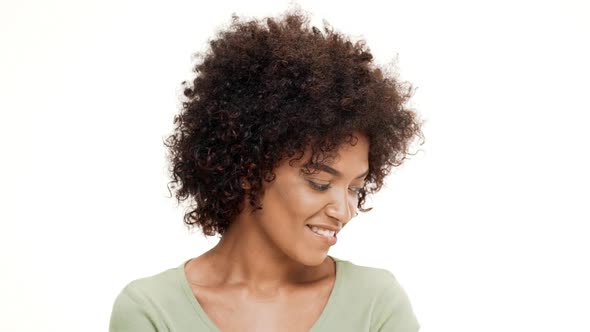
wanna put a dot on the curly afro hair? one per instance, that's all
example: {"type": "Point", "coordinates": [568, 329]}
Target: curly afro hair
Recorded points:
{"type": "Point", "coordinates": [269, 89]}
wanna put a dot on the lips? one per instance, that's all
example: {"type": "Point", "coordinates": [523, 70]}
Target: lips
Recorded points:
{"type": "Point", "coordinates": [322, 231]}
{"type": "Point", "coordinates": [334, 228]}
{"type": "Point", "coordinates": [323, 234]}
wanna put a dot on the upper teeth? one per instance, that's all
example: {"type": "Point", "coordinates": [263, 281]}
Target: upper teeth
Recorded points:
{"type": "Point", "coordinates": [322, 231]}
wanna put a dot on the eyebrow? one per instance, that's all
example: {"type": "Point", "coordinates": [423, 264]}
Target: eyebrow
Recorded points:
{"type": "Point", "coordinates": [330, 170]}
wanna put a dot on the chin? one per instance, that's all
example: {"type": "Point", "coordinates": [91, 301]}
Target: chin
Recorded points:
{"type": "Point", "coordinates": [313, 259]}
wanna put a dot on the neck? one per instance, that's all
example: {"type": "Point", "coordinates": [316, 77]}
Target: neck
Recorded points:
{"type": "Point", "coordinates": [251, 259]}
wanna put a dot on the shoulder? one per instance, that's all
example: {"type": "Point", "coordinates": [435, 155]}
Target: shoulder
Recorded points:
{"type": "Point", "coordinates": [367, 280]}
{"type": "Point", "coordinates": [142, 301]}
{"type": "Point", "coordinates": [154, 286]}
{"type": "Point", "coordinates": [379, 290]}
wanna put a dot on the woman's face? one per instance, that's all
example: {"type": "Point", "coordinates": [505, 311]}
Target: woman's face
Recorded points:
{"type": "Point", "coordinates": [295, 203]}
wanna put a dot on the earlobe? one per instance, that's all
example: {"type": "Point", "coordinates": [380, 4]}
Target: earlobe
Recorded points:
{"type": "Point", "coordinates": [245, 184]}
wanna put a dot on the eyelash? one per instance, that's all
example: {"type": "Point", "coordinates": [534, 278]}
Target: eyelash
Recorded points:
{"type": "Point", "coordinates": [324, 187]}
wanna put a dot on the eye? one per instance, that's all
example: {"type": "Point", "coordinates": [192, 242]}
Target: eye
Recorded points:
{"type": "Point", "coordinates": [319, 187]}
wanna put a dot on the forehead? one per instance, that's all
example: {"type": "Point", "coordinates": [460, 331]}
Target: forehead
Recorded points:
{"type": "Point", "coordinates": [347, 159]}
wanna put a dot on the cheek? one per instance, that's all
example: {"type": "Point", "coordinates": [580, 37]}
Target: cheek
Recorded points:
{"type": "Point", "coordinates": [306, 204]}
{"type": "Point", "coordinates": [297, 202]}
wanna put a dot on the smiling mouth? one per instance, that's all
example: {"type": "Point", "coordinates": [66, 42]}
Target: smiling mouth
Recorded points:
{"type": "Point", "coordinates": [325, 236]}
{"type": "Point", "coordinates": [322, 231]}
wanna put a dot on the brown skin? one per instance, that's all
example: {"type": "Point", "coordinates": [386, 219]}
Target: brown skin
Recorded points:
{"type": "Point", "coordinates": [269, 270]}
{"type": "Point", "coordinates": [266, 89]}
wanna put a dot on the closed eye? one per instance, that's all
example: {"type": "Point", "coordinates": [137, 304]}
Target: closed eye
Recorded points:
{"type": "Point", "coordinates": [319, 187]}
{"type": "Point", "coordinates": [324, 187]}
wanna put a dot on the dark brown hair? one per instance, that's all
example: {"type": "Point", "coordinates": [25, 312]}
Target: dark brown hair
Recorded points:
{"type": "Point", "coordinates": [269, 89]}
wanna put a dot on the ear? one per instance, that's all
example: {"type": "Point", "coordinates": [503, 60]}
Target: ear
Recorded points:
{"type": "Point", "coordinates": [245, 184]}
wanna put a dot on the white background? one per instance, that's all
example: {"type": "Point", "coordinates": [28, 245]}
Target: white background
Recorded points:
{"type": "Point", "coordinates": [486, 227]}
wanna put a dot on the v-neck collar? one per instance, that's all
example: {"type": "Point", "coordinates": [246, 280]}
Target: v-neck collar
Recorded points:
{"type": "Point", "coordinates": [181, 276]}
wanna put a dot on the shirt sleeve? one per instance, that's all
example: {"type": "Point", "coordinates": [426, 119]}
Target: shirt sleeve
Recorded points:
{"type": "Point", "coordinates": [394, 310]}
{"type": "Point", "coordinates": [131, 314]}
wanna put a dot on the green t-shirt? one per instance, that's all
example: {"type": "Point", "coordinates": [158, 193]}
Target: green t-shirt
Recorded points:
{"type": "Point", "coordinates": [363, 299]}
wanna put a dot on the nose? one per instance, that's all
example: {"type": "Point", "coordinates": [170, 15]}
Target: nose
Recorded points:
{"type": "Point", "coordinates": [342, 206]}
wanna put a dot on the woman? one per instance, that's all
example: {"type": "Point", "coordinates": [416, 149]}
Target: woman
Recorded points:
{"type": "Point", "coordinates": [284, 132]}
